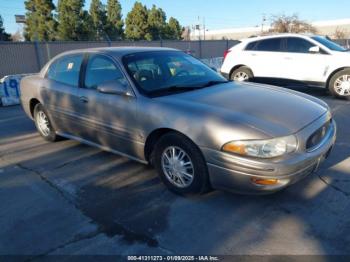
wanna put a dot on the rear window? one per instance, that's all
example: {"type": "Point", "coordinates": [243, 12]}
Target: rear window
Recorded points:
{"type": "Point", "coordinates": [266, 45]}
{"type": "Point", "coordinates": [273, 45]}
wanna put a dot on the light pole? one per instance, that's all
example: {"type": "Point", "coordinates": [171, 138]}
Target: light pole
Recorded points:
{"type": "Point", "coordinates": [20, 20]}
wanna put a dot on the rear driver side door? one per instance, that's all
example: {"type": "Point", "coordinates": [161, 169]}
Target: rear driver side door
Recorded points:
{"type": "Point", "coordinates": [60, 92]}
{"type": "Point", "coordinates": [265, 57]}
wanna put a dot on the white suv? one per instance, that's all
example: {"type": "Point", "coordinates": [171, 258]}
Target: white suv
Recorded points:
{"type": "Point", "coordinates": [310, 59]}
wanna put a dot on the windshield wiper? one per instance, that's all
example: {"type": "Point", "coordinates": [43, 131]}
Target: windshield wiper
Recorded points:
{"type": "Point", "coordinates": [214, 82]}
{"type": "Point", "coordinates": [174, 88]}
{"type": "Point", "coordinates": [182, 88]}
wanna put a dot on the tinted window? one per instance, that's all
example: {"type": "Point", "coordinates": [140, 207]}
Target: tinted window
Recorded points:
{"type": "Point", "coordinates": [251, 46]}
{"type": "Point", "coordinates": [101, 69]}
{"type": "Point", "coordinates": [269, 45]}
{"type": "Point", "coordinates": [298, 45]}
{"type": "Point", "coordinates": [328, 43]}
{"type": "Point", "coordinates": [66, 70]}
{"type": "Point", "coordinates": [153, 72]}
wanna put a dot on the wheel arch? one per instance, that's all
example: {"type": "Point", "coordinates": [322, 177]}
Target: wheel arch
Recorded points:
{"type": "Point", "coordinates": [154, 137]}
{"type": "Point", "coordinates": [32, 103]}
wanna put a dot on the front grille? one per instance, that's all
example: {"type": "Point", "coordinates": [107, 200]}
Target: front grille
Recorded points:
{"type": "Point", "coordinates": [316, 138]}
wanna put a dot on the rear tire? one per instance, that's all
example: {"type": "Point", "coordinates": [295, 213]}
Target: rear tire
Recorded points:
{"type": "Point", "coordinates": [339, 84]}
{"type": "Point", "coordinates": [242, 74]}
{"type": "Point", "coordinates": [43, 124]}
{"type": "Point", "coordinates": [180, 165]}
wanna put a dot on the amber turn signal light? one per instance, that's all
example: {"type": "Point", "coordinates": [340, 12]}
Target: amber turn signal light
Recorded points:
{"type": "Point", "coordinates": [264, 182]}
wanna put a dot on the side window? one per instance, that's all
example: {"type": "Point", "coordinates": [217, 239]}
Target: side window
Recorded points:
{"type": "Point", "coordinates": [251, 46]}
{"type": "Point", "coordinates": [66, 70]}
{"type": "Point", "coordinates": [51, 72]}
{"type": "Point", "coordinates": [101, 69]}
{"type": "Point", "coordinates": [298, 45]}
{"type": "Point", "coordinates": [269, 45]}
{"type": "Point", "coordinates": [147, 72]}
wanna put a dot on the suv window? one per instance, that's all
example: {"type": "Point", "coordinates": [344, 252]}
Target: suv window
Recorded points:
{"type": "Point", "coordinates": [101, 69]}
{"type": "Point", "coordinates": [298, 45]}
{"type": "Point", "coordinates": [66, 70]}
{"type": "Point", "coordinates": [251, 46]}
{"type": "Point", "coordinates": [269, 45]}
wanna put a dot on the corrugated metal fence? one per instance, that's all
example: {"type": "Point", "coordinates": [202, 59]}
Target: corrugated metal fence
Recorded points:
{"type": "Point", "coordinates": [30, 57]}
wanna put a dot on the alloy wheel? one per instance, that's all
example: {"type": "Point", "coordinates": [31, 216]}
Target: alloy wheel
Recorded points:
{"type": "Point", "coordinates": [342, 85]}
{"type": "Point", "coordinates": [43, 123]}
{"type": "Point", "coordinates": [241, 76]}
{"type": "Point", "coordinates": [177, 166]}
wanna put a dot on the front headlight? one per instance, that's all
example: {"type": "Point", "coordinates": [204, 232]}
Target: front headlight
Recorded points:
{"type": "Point", "coordinates": [262, 148]}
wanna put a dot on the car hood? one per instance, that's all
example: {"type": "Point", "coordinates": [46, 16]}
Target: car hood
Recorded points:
{"type": "Point", "coordinates": [272, 110]}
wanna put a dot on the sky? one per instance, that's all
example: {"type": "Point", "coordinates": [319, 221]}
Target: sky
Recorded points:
{"type": "Point", "coordinates": [218, 14]}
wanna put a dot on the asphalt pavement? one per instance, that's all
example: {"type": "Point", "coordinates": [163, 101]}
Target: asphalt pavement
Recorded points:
{"type": "Point", "coordinates": [69, 198]}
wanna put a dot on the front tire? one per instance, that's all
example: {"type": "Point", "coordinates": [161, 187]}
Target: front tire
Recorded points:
{"type": "Point", "coordinates": [180, 165]}
{"type": "Point", "coordinates": [43, 124]}
{"type": "Point", "coordinates": [242, 74]}
{"type": "Point", "coordinates": [339, 85]}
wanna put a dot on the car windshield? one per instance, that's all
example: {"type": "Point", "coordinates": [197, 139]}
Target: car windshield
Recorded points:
{"type": "Point", "coordinates": [329, 44]}
{"type": "Point", "coordinates": [159, 73]}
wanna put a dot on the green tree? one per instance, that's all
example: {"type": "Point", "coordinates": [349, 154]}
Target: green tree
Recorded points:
{"type": "Point", "coordinates": [114, 26]}
{"type": "Point", "coordinates": [137, 27]}
{"type": "Point", "coordinates": [98, 18]}
{"type": "Point", "coordinates": [40, 23]}
{"type": "Point", "coordinates": [3, 35]}
{"type": "Point", "coordinates": [74, 22]}
{"type": "Point", "coordinates": [173, 29]}
{"type": "Point", "coordinates": [157, 23]}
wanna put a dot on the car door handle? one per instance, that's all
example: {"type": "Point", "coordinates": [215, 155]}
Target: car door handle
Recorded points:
{"type": "Point", "coordinates": [253, 54]}
{"type": "Point", "coordinates": [84, 99]}
{"type": "Point", "coordinates": [288, 58]}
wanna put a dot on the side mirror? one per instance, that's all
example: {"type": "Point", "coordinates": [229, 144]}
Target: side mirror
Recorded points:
{"type": "Point", "coordinates": [314, 49]}
{"type": "Point", "coordinates": [114, 87]}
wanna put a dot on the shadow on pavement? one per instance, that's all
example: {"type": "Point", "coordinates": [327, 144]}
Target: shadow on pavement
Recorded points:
{"type": "Point", "coordinates": [126, 199]}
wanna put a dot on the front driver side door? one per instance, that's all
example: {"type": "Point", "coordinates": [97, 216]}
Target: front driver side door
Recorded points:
{"type": "Point", "coordinates": [109, 120]}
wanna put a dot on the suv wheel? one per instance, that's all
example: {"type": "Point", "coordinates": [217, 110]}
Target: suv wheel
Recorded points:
{"type": "Point", "coordinates": [241, 74]}
{"type": "Point", "coordinates": [43, 124]}
{"type": "Point", "coordinates": [339, 85]}
{"type": "Point", "coordinates": [181, 165]}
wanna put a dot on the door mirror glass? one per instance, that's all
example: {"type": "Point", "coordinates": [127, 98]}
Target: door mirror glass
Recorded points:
{"type": "Point", "coordinates": [114, 87]}
{"type": "Point", "coordinates": [314, 50]}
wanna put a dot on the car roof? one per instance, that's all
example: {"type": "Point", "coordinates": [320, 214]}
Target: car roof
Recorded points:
{"type": "Point", "coordinates": [118, 51]}
{"type": "Point", "coordinates": [255, 38]}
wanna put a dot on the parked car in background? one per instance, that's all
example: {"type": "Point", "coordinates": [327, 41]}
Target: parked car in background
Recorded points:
{"type": "Point", "coordinates": [311, 59]}
{"type": "Point", "coordinates": [164, 107]}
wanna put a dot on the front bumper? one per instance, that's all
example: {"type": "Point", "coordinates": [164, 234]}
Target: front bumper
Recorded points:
{"type": "Point", "coordinates": [235, 173]}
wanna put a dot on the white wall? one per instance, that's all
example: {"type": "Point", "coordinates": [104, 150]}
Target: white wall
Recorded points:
{"type": "Point", "coordinates": [323, 28]}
